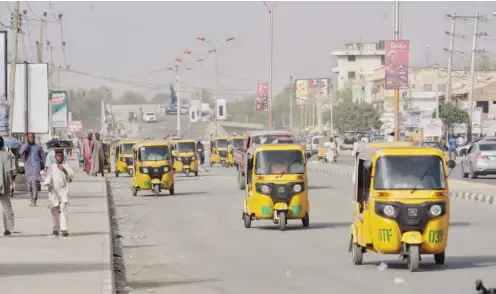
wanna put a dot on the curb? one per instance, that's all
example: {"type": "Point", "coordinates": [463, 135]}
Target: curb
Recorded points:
{"type": "Point", "coordinates": [480, 198]}
{"type": "Point", "coordinates": [108, 285]}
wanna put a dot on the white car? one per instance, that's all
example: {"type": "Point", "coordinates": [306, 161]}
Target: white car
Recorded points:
{"type": "Point", "coordinates": [149, 117]}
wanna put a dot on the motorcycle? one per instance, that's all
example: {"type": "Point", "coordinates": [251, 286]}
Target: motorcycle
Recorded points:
{"type": "Point", "coordinates": [201, 154]}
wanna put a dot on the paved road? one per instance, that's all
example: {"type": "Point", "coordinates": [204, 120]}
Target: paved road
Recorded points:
{"type": "Point", "coordinates": [195, 242]}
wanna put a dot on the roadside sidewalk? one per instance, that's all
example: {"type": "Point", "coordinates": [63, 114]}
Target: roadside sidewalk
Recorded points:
{"type": "Point", "coordinates": [33, 261]}
{"type": "Point", "coordinates": [477, 192]}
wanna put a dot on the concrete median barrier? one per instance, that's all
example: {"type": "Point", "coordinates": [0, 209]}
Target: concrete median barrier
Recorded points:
{"type": "Point", "coordinates": [464, 190]}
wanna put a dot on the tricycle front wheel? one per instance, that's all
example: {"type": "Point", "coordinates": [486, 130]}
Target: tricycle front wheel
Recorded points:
{"type": "Point", "coordinates": [439, 258]}
{"type": "Point", "coordinates": [413, 258]}
{"type": "Point", "coordinates": [282, 221]}
{"type": "Point", "coordinates": [247, 220]}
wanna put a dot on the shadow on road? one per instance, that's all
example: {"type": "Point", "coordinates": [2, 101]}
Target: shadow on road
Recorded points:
{"type": "Point", "coordinates": [452, 263]}
{"type": "Point", "coordinates": [292, 225]}
{"type": "Point", "coordinates": [459, 224]}
{"type": "Point", "coordinates": [160, 284]}
{"type": "Point", "coordinates": [138, 246]}
{"type": "Point", "coordinates": [318, 187]}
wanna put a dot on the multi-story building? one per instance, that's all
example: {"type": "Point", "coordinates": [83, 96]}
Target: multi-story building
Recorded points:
{"type": "Point", "coordinates": [357, 60]}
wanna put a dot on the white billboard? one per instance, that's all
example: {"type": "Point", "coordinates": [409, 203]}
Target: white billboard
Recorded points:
{"type": "Point", "coordinates": [36, 98]}
{"type": "Point", "coordinates": [4, 104]}
{"type": "Point", "coordinates": [221, 109]}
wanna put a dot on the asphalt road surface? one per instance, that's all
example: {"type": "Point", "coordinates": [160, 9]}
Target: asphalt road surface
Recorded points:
{"type": "Point", "coordinates": [167, 125]}
{"type": "Point", "coordinates": [456, 174]}
{"type": "Point", "coordinates": [195, 242]}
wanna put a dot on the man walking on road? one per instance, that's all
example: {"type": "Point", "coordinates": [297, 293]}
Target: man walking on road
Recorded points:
{"type": "Point", "coordinates": [33, 164]}
{"type": "Point", "coordinates": [59, 176]}
{"type": "Point", "coordinates": [452, 147]}
{"type": "Point", "coordinates": [7, 167]}
{"type": "Point", "coordinates": [87, 147]}
{"type": "Point", "coordinates": [97, 156]}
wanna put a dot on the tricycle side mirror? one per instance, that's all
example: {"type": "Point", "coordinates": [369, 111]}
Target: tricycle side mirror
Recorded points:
{"type": "Point", "coordinates": [367, 164]}
{"type": "Point", "coordinates": [250, 156]}
{"type": "Point", "coordinates": [451, 164]}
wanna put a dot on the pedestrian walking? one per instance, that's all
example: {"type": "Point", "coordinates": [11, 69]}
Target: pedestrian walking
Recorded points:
{"type": "Point", "coordinates": [33, 165]}
{"type": "Point", "coordinates": [452, 147]}
{"type": "Point", "coordinates": [97, 156]}
{"type": "Point", "coordinates": [7, 168]}
{"type": "Point", "coordinates": [59, 175]}
{"type": "Point", "coordinates": [87, 147]}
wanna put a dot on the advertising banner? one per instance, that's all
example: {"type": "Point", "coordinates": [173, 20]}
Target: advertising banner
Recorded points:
{"type": "Point", "coordinates": [312, 88]}
{"type": "Point", "coordinates": [432, 127]}
{"type": "Point", "coordinates": [193, 114]}
{"type": "Point", "coordinates": [396, 70]}
{"type": "Point", "coordinates": [221, 109]}
{"type": "Point", "coordinates": [262, 100]}
{"type": "Point", "coordinates": [36, 76]}
{"type": "Point", "coordinates": [76, 125]}
{"type": "Point", "coordinates": [59, 109]}
{"type": "Point", "coordinates": [4, 104]}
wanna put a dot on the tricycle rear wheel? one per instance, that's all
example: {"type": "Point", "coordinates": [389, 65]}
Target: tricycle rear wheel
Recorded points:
{"type": "Point", "coordinates": [439, 258]}
{"type": "Point", "coordinates": [116, 174]}
{"type": "Point", "coordinates": [413, 258]}
{"type": "Point", "coordinates": [306, 220]}
{"type": "Point", "coordinates": [171, 190]}
{"type": "Point", "coordinates": [356, 253]}
{"type": "Point", "coordinates": [282, 221]}
{"type": "Point", "coordinates": [134, 191]}
{"type": "Point", "coordinates": [247, 220]}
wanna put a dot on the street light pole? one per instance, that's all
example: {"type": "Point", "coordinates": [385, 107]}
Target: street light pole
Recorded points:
{"type": "Point", "coordinates": [271, 61]}
{"type": "Point", "coordinates": [397, 9]}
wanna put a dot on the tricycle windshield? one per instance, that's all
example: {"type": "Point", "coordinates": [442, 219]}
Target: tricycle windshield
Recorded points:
{"type": "Point", "coordinates": [237, 143]}
{"type": "Point", "coordinates": [221, 143]}
{"type": "Point", "coordinates": [153, 153]}
{"type": "Point", "coordinates": [185, 147]}
{"type": "Point", "coordinates": [127, 148]}
{"type": "Point", "coordinates": [272, 139]}
{"type": "Point", "coordinates": [422, 172]}
{"type": "Point", "coordinates": [272, 162]}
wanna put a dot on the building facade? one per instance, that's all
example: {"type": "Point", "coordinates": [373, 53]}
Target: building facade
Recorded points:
{"type": "Point", "coordinates": [357, 60]}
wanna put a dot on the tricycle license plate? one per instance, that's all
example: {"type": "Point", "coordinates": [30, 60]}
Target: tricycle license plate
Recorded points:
{"type": "Point", "coordinates": [280, 189]}
{"type": "Point", "coordinates": [284, 206]}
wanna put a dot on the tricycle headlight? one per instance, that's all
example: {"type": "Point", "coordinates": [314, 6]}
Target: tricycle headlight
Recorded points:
{"type": "Point", "coordinates": [389, 210]}
{"type": "Point", "coordinates": [217, 152]}
{"type": "Point", "coordinates": [166, 169]}
{"type": "Point", "coordinates": [193, 158]}
{"type": "Point", "coordinates": [180, 159]}
{"type": "Point", "coordinates": [297, 188]}
{"type": "Point", "coordinates": [145, 170]}
{"type": "Point", "coordinates": [435, 210]}
{"type": "Point", "coordinates": [265, 189]}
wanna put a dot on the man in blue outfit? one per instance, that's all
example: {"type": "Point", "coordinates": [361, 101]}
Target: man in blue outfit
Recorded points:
{"type": "Point", "coordinates": [452, 147]}
{"type": "Point", "coordinates": [33, 164]}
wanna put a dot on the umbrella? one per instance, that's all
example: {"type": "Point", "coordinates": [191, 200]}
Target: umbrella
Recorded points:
{"type": "Point", "coordinates": [11, 142]}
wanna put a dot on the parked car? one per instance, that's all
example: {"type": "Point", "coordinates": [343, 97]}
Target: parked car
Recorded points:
{"type": "Point", "coordinates": [480, 160]}
{"type": "Point", "coordinates": [462, 150]}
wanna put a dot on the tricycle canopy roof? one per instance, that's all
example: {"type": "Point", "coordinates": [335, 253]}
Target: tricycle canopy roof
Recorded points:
{"type": "Point", "coordinates": [368, 153]}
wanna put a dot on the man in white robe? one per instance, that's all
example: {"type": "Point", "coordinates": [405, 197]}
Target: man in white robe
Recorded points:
{"type": "Point", "coordinates": [59, 175]}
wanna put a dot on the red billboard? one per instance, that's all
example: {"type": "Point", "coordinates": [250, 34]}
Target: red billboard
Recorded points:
{"type": "Point", "coordinates": [396, 64]}
{"type": "Point", "coordinates": [262, 100]}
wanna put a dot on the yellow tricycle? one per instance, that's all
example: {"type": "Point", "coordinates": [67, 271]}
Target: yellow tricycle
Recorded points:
{"type": "Point", "coordinates": [152, 168]}
{"type": "Point", "coordinates": [218, 151]}
{"type": "Point", "coordinates": [124, 157]}
{"type": "Point", "coordinates": [401, 203]}
{"type": "Point", "coordinates": [236, 142]}
{"type": "Point", "coordinates": [276, 185]}
{"type": "Point", "coordinates": [185, 157]}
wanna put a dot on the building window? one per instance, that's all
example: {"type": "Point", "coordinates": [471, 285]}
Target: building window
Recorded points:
{"type": "Point", "coordinates": [351, 58]}
{"type": "Point", "coordinates": [427, 87]}
{"type": "Point", "coordinates": [441, 87]}
{"type": "Point", "coordinates": [351, 75]}
{"type": "Point", "coordinates": [383, 59]}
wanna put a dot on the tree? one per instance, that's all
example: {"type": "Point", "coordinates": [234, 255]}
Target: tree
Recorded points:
{"type": "Point", "coordinates": [130, 97]}
{"type": "Point", "coordinates": [452, 115]}
{"type": "Point", "coordinates": [160, 98]}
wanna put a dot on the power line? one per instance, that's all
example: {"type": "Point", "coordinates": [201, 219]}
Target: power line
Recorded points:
{"type": "Point", "coordinates": [32, 12]}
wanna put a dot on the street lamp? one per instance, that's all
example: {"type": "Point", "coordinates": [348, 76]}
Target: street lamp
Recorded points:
{"type": "Point", "coordinates": [214, 51]}
{"type": "Point", "coordinates": [178, 95]}
{"type": "Point", "coordinates": [270, 10]}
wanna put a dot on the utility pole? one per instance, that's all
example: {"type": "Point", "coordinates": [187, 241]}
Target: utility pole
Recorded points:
{"type": "Point", "coordinates": [437, 91]}
{"type": "Point", "coordinates": [291, 103]}
{"type": "Point", "coordinates": [271, 55]}
{"type": "Point", "coordinates": [15, 26]}
{"type": "Point", "coordinates": [40, 43]}
{"type": "Point", "coordinates": [397, 9]}
{"type": "Point", "coordinates": [201, 115]}
{"type": "Point", "coordinates": [178, 107]}
{"type": "Point", "coordinates": [450, 58]}
{"type": "Point", "coordinates": [216, 62]}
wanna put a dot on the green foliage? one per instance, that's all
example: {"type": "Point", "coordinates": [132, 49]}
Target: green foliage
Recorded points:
{"type": "Point", "coordinates": [130, 97]}
{"type": "Point", "coordinates": [160, 98]}
{"type": "Point", "coordinates": [451, 115]}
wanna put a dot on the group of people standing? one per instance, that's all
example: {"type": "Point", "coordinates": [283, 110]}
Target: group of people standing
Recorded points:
{"type": "Point", "coordinates": [57, 176]}
{"type": "Point", "coordinates": [93, 155]}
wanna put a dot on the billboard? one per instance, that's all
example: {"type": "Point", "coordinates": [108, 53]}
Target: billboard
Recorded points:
{"type": "Point", "coordinates": [193, 114]}
{"type": "Point", "coordinates": [262, 99]}
{"type": "Point", "coordinates": [221, 113]}
{"type": "Point", "coordinates": [305, 88]}
{"type": "Point", "coordinates": [75, 125]}
{"type": "Point", "coordinates": [4, 104]}
{"type": "Point", "coordinates": [36, 76]}
{"type": "Point", "coordinates": [59, 109]}
{"type": "Point", "coordinates": [396, 71]}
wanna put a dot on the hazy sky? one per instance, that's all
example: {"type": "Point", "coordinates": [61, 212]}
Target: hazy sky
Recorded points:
{"type": "Point", "coordinates": [136, 40]}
